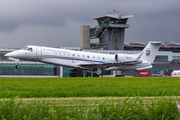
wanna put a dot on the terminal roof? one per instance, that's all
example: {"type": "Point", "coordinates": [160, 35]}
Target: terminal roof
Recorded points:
{"type": "Point", "coordinates": [173, 45]}
{"type": "Point", "coordinates": [138, 44]}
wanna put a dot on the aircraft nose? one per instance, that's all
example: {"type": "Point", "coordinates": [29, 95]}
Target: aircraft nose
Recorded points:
{"type": "Point", "coordinates": [7, 55]}
{"type": "Point", "coordinates": [11, 54]}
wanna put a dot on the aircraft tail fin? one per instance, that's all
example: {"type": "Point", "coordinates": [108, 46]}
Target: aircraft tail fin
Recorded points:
{"type": "Point", "coordinates": [150, 51]}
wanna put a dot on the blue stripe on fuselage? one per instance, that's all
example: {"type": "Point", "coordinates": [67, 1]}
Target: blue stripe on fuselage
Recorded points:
{"type": "Point", "coordinates": [71, 58]}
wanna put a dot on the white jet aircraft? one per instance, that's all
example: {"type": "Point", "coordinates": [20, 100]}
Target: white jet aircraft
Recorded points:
{"type": "Point", "coordinates": [88, 61]}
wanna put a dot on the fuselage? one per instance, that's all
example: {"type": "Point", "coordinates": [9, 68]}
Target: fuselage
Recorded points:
{"type": "Point", "coordinates": [74, 59]}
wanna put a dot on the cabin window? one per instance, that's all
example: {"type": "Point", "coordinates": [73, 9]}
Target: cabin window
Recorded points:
{"type": "Point", "coordinates": [73, 55]}
{"type": "Point", "coordinates": [83, 55]}
{"type": "Point", "coordinates": [99, 58]}
{"type": "Point", "coordinates": [103, 58]}
{"type": "Point", "coordinates": [93, 57]}
{"type": "Point", "coordinates": [87, 56]}
{"type": "Point", "coordinates": [78, 55]}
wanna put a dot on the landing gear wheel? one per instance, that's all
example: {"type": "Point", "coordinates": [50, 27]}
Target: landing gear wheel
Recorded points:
{"type": "Point", "coordinates": [88, 75]}
{"type": "Point", "coordinates": [100, 75]}
{"type": "Point", "coordinates": [17, 66]}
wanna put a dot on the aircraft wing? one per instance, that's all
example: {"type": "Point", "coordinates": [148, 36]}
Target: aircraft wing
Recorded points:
{"type": "Point", "coordinates": [106, 65]}
{"type": "Point", "coordinates": [102, 65]}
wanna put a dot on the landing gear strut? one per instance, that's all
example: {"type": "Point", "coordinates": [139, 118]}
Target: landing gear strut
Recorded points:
{"type": "Point", "coordinates": [100, 75]}
{"type": "Point", "coordinates": [87, 74]}
{"type": "Point", "coordinates": [99, 72]}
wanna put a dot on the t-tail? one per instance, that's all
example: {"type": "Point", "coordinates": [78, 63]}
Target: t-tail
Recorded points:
{"type": "Point", "coordinates": [150, 51]}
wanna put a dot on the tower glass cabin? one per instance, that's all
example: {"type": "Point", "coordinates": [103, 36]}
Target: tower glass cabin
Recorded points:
{"type": "Point", "coordinates": [110, 31]}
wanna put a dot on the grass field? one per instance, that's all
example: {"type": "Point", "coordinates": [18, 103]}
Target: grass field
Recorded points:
{"type": "Point", "coordinates": [89, 98]}
{"type": "Point", "coordinates": [89, 87]}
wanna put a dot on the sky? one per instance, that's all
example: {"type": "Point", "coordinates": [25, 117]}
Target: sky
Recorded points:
{"type": "Point", "coordinates": [56, 23]}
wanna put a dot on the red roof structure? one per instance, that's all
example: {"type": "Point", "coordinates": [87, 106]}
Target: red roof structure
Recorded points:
{"type": "Point", "coordinates": [173, 45]}
{"type": "Point", "coordinates": [138, 44]}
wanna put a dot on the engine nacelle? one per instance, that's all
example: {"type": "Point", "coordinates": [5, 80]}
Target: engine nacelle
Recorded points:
{"type": "Point", "coordinates": [120, 58]}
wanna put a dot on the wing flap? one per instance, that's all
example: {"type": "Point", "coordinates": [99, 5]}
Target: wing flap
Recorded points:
{"type": "Point", "coordinates": [104, 65]}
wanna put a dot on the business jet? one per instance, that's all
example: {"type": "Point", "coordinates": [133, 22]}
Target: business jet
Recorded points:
{"type": "Point", "coordinates": [88, 61]}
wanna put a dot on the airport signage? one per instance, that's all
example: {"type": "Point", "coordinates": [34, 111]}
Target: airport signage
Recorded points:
{"type": "Point", "coordinates": [144, 73]}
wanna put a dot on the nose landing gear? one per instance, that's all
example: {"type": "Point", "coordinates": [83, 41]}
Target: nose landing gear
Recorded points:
{"type": "Point", "coordinates": [15, 60]}
{"type": "Point", "coordinates": [17, 66]}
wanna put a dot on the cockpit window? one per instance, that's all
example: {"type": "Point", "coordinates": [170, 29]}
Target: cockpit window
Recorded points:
{"type": "Point", "coordinates": [30, 49]}
{"type": "Point", "coordinates": [25, 48]}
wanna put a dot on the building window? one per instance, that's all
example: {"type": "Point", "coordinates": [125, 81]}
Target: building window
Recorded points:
{"type": "Point", "coordinates": [176, 57]}
{"type": "Point", "coordinates": [161, 58]}
{"type": "Point", "coordinates": [116, 43]}
{"type": "Point", "coordinates": [30, 68]}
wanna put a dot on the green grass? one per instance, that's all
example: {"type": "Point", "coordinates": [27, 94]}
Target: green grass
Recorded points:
{"type": "Point", "coordinates": [89, 87]}
{"type": "Point", "coordinates": [89, 98]}
{"type": "Point", "coordinates": [158, 108]}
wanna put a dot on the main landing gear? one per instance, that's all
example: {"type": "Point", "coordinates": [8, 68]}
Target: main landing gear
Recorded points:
{"type": "Point", "coordinates": [98, 71]}
{"type": "Point", "coordinates": [87, 74]}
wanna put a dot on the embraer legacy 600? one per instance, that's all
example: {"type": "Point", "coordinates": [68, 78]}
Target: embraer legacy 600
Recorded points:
{"type": "Point", "coordinates": [88, 61]}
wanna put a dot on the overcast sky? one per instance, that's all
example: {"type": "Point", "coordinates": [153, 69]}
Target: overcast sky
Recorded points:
{"type": "Point", "coordinates": [56, 23]}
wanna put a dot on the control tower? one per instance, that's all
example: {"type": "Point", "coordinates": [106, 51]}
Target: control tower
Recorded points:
{"type": "Point", "coordinates": [110, 31]}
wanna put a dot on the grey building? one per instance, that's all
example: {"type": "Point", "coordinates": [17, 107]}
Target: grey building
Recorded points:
{"type": "Point", "coordinates": [110, 32]}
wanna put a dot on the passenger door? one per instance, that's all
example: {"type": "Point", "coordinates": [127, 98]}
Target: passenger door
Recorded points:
{"type": "Point", "coordinates": [38, 52]}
